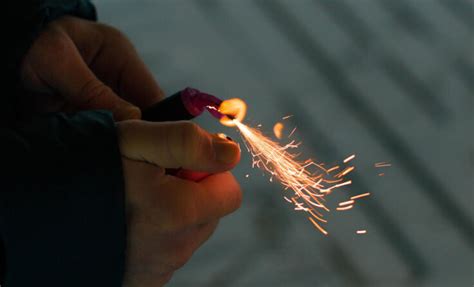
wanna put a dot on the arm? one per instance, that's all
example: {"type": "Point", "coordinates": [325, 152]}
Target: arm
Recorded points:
{"type": "Point", "coordinates": [61, 202]}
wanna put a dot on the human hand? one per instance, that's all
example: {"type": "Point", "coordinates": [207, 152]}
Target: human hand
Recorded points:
{"type": "Point", "coordinates": [169, 217]}
{"type": "Point", "coordinates": [77, 64]}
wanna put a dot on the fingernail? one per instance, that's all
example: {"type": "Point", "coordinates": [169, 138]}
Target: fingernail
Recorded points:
{"type": "Point", "coordinates": [226, 151]}
{"type": "Point", "coordinates": [224, 136]}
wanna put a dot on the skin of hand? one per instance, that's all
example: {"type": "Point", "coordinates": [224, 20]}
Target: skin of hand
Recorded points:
{"type": "Point", "coordinates": [170, 217]}
{"type": "Point", "coordinates": [77, 64]}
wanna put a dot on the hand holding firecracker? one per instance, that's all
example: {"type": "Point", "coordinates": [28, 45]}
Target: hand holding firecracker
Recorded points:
{"type": "Point", "coordinates": [309, 181]}
{"type": "Point", "coordinates": [170, 217]}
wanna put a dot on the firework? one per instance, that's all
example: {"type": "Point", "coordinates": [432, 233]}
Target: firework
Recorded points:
{"type": "Point", "coordinates": [308, 181]}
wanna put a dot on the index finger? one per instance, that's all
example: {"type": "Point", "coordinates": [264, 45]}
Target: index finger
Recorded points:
{"type": "Point", "coordinates": [131, 77]}
{"type": "Point", "coordinates": [114, 60]}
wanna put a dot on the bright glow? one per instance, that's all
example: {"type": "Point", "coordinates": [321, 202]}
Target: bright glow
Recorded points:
{"type": "Point", "coordinates": [309, 181]}
{"type": "Point", "coordinates": [232, 107]}
{"type": "Point", "coordinates": [349, 202]}
{"type": "Point", "coordinates": [343, 208]}
{"type": "Point", "coordinates": [382, 164]}
{"type": "Point", "coordinates": [360, 195]}
{"type": "Point", "coordinates": [349, 158]}
{"type": "Point", "coordinates": [277, 130]}
{"type": "Point", "coordinates": [362, 231]}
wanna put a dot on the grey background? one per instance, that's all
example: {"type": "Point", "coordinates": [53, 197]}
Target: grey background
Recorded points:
{"type": "Point", "coordinates": [388, 80]}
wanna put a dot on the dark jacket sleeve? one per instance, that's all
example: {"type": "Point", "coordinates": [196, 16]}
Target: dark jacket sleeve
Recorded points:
{"type": "Point", "coordinates": [25, 19]}
{"type": "Point", "coordinates": [61, 202]}
{"type": "Point", "coordinates": [28, 17]}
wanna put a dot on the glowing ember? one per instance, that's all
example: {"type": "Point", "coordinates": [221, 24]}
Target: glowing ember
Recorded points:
{"type": "Point", "coordinates": [363, 231]}
{"type": "Point", "coordinates": [349, 202]}
{"type": "Point", "coordinates": [382, 164]}
{"type": "Point", "coordinates": [277, 130]}
{"type": "Point", "coordinates": [343, 208]}
{"type": "Point", "coordinates": [349, 158]}
{"type": "Point", "coordinates": [360, 195]}
{"type": "Point", "coordinates": [346, 171]}
{"type": "Point", "coordinates": [292, 132]}
{"type": "Point", "coordinates": [318, 226]}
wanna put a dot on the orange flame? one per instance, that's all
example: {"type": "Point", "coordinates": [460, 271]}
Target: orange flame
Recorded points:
{"type": "Point", "coordinates": [232, 107]}
{"type": "Point", "coordinates": [277, 130]}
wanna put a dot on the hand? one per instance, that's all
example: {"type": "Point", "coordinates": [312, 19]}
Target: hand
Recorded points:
{"type": "Point", "coordinates": [169, 217]}
{"type": "Point", "coordinates": [77, 64]}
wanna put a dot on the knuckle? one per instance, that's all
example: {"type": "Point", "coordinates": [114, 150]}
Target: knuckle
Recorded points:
{"type": "Point", "coordinates": [92, 91]}
{"type": "Point", "coordinates": [113, 33]}
{"type": "Point", "coordinates": [53, 38]}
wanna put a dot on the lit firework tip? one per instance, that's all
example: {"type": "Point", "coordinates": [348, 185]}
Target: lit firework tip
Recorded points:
{"type": "Point", "coordinates": [309, 181]}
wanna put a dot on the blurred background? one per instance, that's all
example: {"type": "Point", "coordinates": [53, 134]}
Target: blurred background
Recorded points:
{"type": "Point", "coordinates": [388, 80]}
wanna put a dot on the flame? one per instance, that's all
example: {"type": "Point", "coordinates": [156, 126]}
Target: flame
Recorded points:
{"type": "Point", "coordinates": [232, 107]}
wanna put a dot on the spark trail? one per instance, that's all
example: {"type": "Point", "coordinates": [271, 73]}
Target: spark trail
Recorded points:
{"type": "Point", "coordinates": [309, 181]}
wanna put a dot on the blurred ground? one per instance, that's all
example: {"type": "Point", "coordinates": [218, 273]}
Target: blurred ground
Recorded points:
{"type": "Point", "coordinates": [387, 80]}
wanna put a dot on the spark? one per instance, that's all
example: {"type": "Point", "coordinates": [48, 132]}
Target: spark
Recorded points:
{"type": "Point", "coordinates": [318, 226]}
{"type": "Point", "coordinates": [349, 202]}
{"type": "Point", "coordinates": [292, 132]}
{"type": "Point", "coordinates": [349, 158]}
{"type": "Point", "coordinates": [381, 174]}
{"type": "Point", "coordinates": [362, 231]}
{"type": "Point", "coordinates": [286, 117]}
{"type": "Point", "coordinates": [343, 208]}
{"type": "Point", "coordinates": [382, 164]}
{"type": "Point", "coordinates": [346, 171]}
{"type": "Point", "coordinates": [310, 181]}
{"type": "Point", "coordinates": [277, 129]}
{"type": "Point", "coordinates": [360, 195]}
{"type": "Point", "coordinates": [318, 217]}
{"type": "Point", "coordinates": [246, 175]}
{"type": "Point", "coordinates": [333, 168]}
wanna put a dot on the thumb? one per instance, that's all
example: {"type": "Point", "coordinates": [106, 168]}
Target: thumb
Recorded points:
{"type": "Point", "coordinates": [177, 145]}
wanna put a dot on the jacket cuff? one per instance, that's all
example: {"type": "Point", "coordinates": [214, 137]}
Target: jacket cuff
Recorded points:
{"type": "Point", "coordinates": [62, 211]}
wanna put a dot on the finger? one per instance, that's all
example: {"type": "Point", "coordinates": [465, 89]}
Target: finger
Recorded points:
{"type": "Point", "coordinates": [115, 61]}
{"type": "Point", "coordinates": [221, 195]}
{"type": "Point", "coordinates": [204, 232]}
{"type": "Point", "coordinates": [67, 74]}
{"type": "Point", "coordinates": [178, 247]}
{"type": "Point", "coordinates": [177, 145]}
{"type": "Point", "coordinates": [188, 204]}
{"type": "Point", "coordinates": [120, 65]}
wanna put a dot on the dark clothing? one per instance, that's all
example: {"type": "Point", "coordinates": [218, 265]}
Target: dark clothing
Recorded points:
{"type": "Point", "coordinates": [62, 220]}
